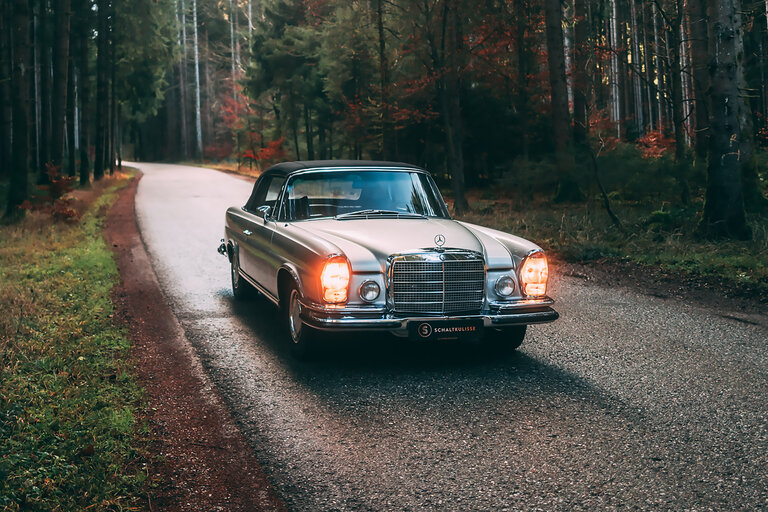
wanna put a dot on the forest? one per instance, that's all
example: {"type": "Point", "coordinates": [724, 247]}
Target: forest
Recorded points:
{"type": "Point", "coordinates": [620, 100]}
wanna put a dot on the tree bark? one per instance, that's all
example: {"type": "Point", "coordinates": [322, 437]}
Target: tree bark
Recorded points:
{"type": "Point", "coordinates": [636, 84]}
{"type": "Point", "coordinates": [567, 187]}
{"type": "Point", "coordinates": [71, 151]}
{"type": "Point", "coordinates": [523, 66]}
{"type": "Point", "coordinates": [19, 183]}
{"type": "Point", "coordinates": [613, 78]}
{"type": "Point", "coordinates": [674, 27]}
{"type": "Point", "coordinates": [198, 125]}
{"type": "Point", "coordinates": [724, 203]}
{"type": "Point", "coordinates": [5, 89]}
{"type": "Point", "coordinates": [580, 81]}
{"type": "Point", "coordinates": [386, 118]}
{"type": "Point", "coordinates": [62, 15]}
{"type": "Point", "coordinates": [83, 35]}
{"type": "Point", "coordinates": [308, 132]}
{"type": "Point", "coordinates": [112, 96]}
{"type": "Point", "coordinates": [43, 42]}
{"type": "Point", "coordinates": [451, 103]}
{"type": "Point", "coordinates": [182, 43]}
{"type": "Point", "coordinates": [660, 76]}
{"type": "Point", "coordinates": [697, 23]}
{"type": "Point", "coordinates": [101, 91]}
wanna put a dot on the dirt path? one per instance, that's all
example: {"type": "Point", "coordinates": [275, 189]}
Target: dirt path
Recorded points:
{"type": "Point", "coordinates": [208, 463]}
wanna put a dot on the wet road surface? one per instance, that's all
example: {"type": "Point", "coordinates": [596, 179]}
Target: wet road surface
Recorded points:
{"type": "Point", "coordinates": [627, 401]}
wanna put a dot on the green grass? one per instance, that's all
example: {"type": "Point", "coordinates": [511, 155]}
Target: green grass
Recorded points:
{"type": "Point", "coordinates": [655, 235]}
{"type": "Point", "coordinates": [70, 437]}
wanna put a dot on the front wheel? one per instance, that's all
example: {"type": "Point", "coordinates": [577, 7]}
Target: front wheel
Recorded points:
{"type": "Point", "coordinates": [505, 340]}
{"type": "Point", "coordinates": [303, 337]}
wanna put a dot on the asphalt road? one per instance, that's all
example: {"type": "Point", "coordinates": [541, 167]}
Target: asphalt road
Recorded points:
{"type": "Point", "coordinates": [627, 401]}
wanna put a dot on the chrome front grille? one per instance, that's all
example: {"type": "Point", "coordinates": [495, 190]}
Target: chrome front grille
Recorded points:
{"type": "Point", "coordinates": [438, 283]}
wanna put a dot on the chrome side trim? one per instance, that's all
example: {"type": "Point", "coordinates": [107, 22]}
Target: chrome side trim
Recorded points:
{"type": "Point", "coordinates": [260, 288]}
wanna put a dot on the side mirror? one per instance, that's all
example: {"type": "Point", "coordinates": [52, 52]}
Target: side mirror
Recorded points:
{"type": "Point", "coordinates": [265, 212]}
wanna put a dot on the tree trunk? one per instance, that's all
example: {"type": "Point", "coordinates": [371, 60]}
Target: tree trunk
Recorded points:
{"type": "Point", "coordinates": [697, 23]}
{"type": "Point", "coordinates": [308, 133]}
{"type": "Point", "coordinates": [5, 89]}
{"type": "Point", "coordinates": [83, 35]}
{"type": "Point", "coordinates": [613, 78]}
{"type": "Point", "coordinates": [580, 81]}
{"type": "Point", "coordinates": [232, 52]}
{"type": "Point", "coordinates": [101, 91]}
{"type": "Point", "coordinates": [724, 206]}
{"type": "Point", "coordinates": [648, 77]}
{"type": "Point", "coordinates": [386, 118]}
{"type": "Point", "coordinates": [523, 59]}
{"type": "Point", "coordinates": [43, 42]}
{"type": "Point", "coordinates": [567, 188]}
{"type": "Point", "coordinates": [182, 43]}
{"type": "Point", "coordinates": [674, 31]}
{"type": "Point", "coordinates": [451, 103]}
{"type": "Point", "coordinates": [198, 125]}
{"type": "Point", "coordinates": [19, 183]}
{"type": "Point", "coordinates": [71, 121]}
{"type": "Point", "coordinates": [660, 84]}
{"type": "Point", "coordinates": [60, 66]}
{"type": "Point", "coordinates": [112, 96]}
{"type": "Point", "coordinates": [637, 88]}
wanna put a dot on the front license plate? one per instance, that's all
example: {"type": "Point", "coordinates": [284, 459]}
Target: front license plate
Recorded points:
{"type": "Point", "coordinates": [445, 329]}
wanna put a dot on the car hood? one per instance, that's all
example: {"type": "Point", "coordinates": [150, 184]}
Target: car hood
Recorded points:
{"type": "Point", "coordinates": [369, 242]}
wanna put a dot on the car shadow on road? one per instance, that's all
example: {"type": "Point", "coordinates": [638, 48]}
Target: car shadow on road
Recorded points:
{"type": "Point", "coordinates": [379, 364]}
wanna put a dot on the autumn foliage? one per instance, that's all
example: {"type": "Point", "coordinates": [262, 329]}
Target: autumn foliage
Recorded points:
{"type": "Point", "coordinates": [52, 198]}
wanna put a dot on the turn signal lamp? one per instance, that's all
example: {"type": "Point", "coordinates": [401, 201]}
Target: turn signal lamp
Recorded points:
{"type": "Point", "coordinates": [533, 275]}
{"type": "Point", "coordinates": [335, 280]}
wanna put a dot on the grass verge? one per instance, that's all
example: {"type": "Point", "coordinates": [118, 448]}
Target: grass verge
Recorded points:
{"type": "Point", "coordinates": [71, 437]}
{"type": "Point", "coordinates": [660, 236]}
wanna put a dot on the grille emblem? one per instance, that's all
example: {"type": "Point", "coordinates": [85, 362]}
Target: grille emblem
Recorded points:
{"type": "Point", "coordinates": [439, 240]}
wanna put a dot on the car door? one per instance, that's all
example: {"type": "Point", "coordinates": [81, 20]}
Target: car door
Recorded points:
{"type": "Point", "coordinates": [255, 248]}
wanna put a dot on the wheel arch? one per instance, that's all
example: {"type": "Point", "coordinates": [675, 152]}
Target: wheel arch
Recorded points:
{"type": "Point", "coordinates": [232, 248]}
{"type": "Point", "coordinates": [287, 275]}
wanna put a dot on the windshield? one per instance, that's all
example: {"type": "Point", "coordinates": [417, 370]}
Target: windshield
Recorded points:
{"type": "Point", "coordinates": [351, 194]}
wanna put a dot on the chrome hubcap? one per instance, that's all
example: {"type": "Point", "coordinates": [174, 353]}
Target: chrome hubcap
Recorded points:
{"type": "Point", "coordinates": [294, 316]}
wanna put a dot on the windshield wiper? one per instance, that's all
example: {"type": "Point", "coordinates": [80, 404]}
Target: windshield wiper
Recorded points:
{"type": "Point", "coordinates": [373, 212]}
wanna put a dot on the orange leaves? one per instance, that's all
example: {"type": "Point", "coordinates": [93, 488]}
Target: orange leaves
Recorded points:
{"type": "Point", "coordinates": [52, 199]}
{"type": "Point", "coordinates": [655, 144]}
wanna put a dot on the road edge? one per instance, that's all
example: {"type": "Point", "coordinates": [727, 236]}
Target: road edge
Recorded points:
{"type": "Point", "coordinates": [205, 462]}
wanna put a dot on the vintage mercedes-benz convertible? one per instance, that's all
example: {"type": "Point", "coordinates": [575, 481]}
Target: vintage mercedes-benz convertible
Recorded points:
{"type": "Point", "coordinates": [370, 246]}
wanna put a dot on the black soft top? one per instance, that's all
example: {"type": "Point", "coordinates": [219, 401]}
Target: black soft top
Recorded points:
{"type": "Point", "coordinates": [286, 168]}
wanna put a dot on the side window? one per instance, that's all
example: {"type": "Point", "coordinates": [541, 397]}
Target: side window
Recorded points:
{"type": "Point", "coordinates": [265, 193]}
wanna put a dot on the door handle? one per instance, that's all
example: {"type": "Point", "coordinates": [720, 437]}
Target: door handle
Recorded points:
{"type": "Point", "coordinates": [247, 232]}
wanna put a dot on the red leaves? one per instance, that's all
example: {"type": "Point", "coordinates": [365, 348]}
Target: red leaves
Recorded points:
{"type": "Point", "coordinates": [655, 144]}
{"type": "Point", "coordinates": [52, 200]}
{"type": "Point", "coordinates": [273, 152]}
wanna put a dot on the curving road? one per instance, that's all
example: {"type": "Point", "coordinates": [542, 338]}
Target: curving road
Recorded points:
{"type": "Point", "coordinates": [628, 401]}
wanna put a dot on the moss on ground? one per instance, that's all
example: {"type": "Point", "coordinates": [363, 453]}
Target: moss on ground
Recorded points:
{"type": "Point", "coordinates": [71, 438]}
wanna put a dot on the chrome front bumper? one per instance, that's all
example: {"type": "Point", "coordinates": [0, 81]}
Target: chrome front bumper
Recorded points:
{"type": "Point", "coordinates": [497, 315]}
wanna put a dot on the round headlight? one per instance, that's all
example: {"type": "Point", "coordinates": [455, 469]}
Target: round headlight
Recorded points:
{"type": "Point", "coordinates": [505, 285]}
{"type": "Point", "coordinates": [369, 291]}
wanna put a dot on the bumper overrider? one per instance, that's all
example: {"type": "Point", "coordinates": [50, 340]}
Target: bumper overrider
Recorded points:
{"type": "Point", "coordinates": [370, 318]}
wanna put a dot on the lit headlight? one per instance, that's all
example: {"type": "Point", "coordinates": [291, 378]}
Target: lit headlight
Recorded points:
{"type": "Point", "coordinates": [335, 279]}
{"type": "Point", "coordinates": [505, 286]}
{"type": "Point", "coordinates": [533, 275]}
{"type": "Point", "coordinates": [369, 291]}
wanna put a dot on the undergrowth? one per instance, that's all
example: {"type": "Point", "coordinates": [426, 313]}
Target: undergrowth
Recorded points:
{"type": "Point", "coordinates": [657, 235]}
{"type": "Point", "coordinates": [71, 439]}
